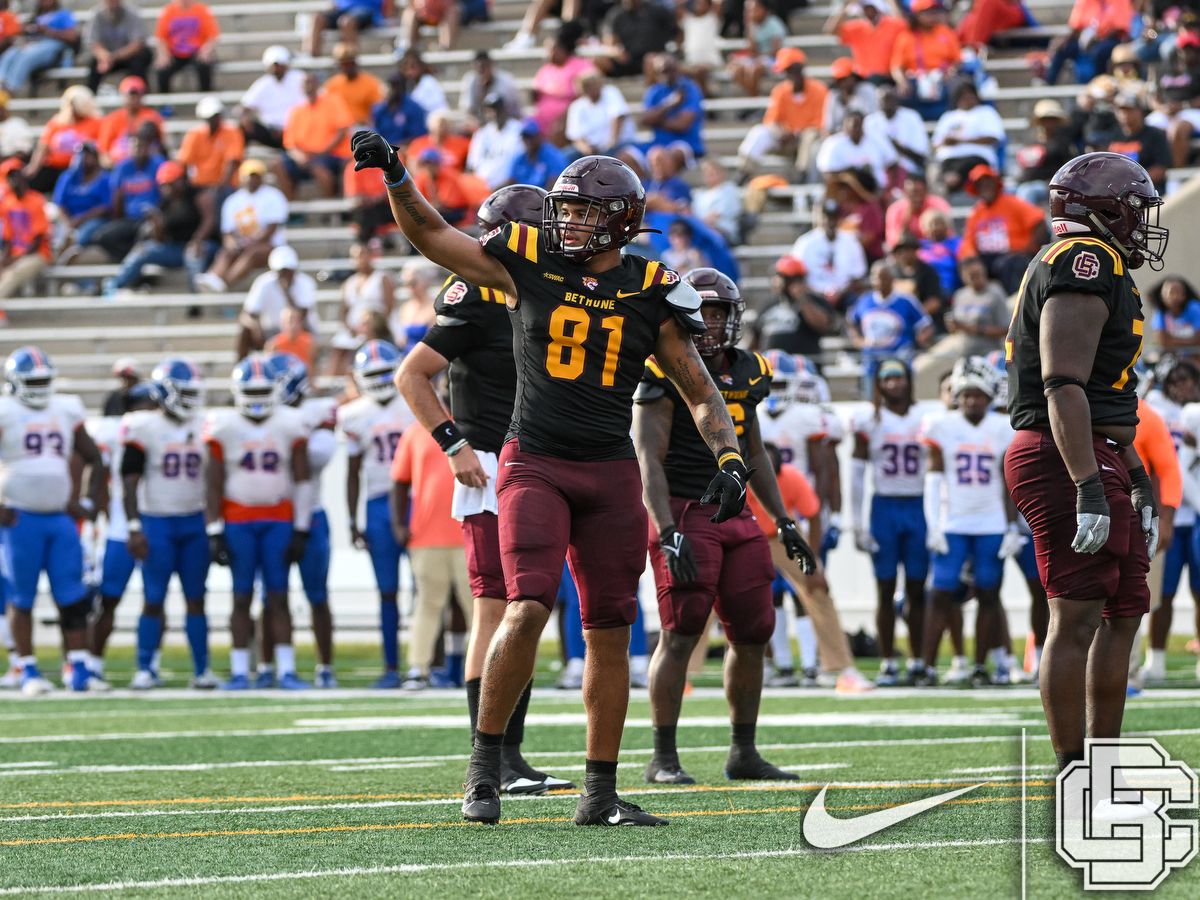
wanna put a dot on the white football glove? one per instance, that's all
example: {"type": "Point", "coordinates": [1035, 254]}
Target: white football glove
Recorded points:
{"type": "Point", "coordinates": [1012, 543]}
{"type": "Point", "coordinates": [864, 541]}
{"type": "Point", "coordinates": [936, 542]}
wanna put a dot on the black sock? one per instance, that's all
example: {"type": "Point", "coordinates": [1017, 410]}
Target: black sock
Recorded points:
{"type": "Point", "coordinates": [473, 687]}
{"type": "Point", "coordinates": [600, 778]}
{"type": "Point", "coordinates": [743, 735]}
{"type": "Point", "coordinates": [514, 734]}
{"type": "Point", "coordinates": [664, 742]}
{"type": "Point", "coordinates": [486, 751]}
{"type": "Point", "coordinates": [1067, 757]}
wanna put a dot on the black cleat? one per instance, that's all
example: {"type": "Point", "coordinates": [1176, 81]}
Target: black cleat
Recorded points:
{"type": "Point", "coordinates": [518, 777]}
{"type": "Point", "coordinates": [667, 772]}
{"type": "Point", "coordinates": [752, 767]}
{"type": "Point", "coordinates": [614, 811]}
{"type": "Point", "coordinates": [928, 677]}
{"type": "Point", "coordinates": [980, 677]}
{"type": "Point", "coordinates": [481, 800]}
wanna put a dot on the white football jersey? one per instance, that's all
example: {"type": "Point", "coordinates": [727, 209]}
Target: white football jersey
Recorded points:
{"type": "Point", "coordinates": [894, 449]}
{"type": "Point", "coordinates": [972, 456]}
{"type": "Point", "coordinates": [320, 416]}
{"type": "Point", "coordinates": [106, 433]}
{"type": "Point", "coordinates": [793, 428]}
{"type": "Point", "coordinates": [373, 431]}
{"type": "Point", "coordinates": [1181, 421]}
{"type": "Point", "coordinates": [173, 480]}
{"type": "Point", "coordinates": [257, 455]}
{"type": "Point", "coordinates": [35, 452]}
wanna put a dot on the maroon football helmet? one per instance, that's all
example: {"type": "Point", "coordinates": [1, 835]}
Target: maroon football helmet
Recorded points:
{"type": "Point", "coordinates": [1111, 196]}
{"type": "Point", "coordinates": [604, 199]}
{"type": "Point", "coordinates": [515, 203]}
{"type": "Point", "coordinates": [717, 288]}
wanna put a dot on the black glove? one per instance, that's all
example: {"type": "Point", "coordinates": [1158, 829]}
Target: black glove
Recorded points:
{"type": "Point", "coordinates": [678, 551]}
{"type": "Point", "coordinates": [1145, 506]}
{"type": "Point", "coordinates": [371, 151]}
{"type": "Point", "coordinates": [728, 489]}
{"type": "Point", "coordinates": [796, 546]}
{"type": "Point", "coordinates": [218, 549]}
{"type": "Point", "coordinates": [296, 546]}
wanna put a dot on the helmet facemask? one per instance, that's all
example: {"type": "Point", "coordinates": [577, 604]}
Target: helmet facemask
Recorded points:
{"type": "Point", "coordinates": [561, 215]}
{"type": "Point", "coordinates": [35, 392]}
{"type": "Point", "coordinates": [377, 381]}
{"type": "Point", "coordinates": [723, 334]}
{"type": "Point", "coordinates": [182, 400]}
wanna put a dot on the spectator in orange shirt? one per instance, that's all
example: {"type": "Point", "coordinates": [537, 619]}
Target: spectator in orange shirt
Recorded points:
{"type": "Point", "coordinates": [444, 138]}
{"type": "Point", "coordinates": [74, 123]}
{"type": "Point", "coordinates": [420, 472]}
{"type": "Point", "coordinates": [187, 35]}
{"type": "Point", "coordinates": [294, 337]}
{"type": "Point", "coordinates": [316, 140]}
{"type": "Point", "coordinates": [120, 125]}
{"type": "Point", "coordinates": [24, 231]}
{"type": "Point", "coordinates": [454, 194]}
{"type": "Point", "coordinates": [870, 37]}
{"type": "Point", "coordinates": [925, 58]}
{"type": "Point", "coordinates": [793, 119]}
{"type": "Point", "coordinates": [212, 151]}
{"type": "Point", "coordinates": [986, 18]}
{"type": "Point", "coordinates": [10, 26]}
{"type": "Point", "coordinates": [1096, 27]}
{"type": "Point", "coordinates": [359, 90]}
{"type": "Point", "coordinates": [1003, 230]}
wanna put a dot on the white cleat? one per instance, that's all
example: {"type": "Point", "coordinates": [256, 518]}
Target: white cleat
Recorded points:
{"type": "Point", "coordinates": [97, 685]}
{"type": "Point", "coordinates": [852, 681]}
{"type": "Point", "coordinates": [521, 41]}
{"type": "Point", "coordinates": [206, 682]}
{"type": "Point", "coordinates": [1152, 675]}
{"type": "Point", "coordinates": [35, 687]}
{"type": "Point", "coordinates": [143, 680]}
{"type": "Point", "coordinates": [11, 680]}
{"type": "Point", "coordinates": [957, 674]}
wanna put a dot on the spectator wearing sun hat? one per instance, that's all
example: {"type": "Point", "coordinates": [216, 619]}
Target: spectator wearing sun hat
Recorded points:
{"type": "Point", "coordinates": [846, 89]}
{"type": "Point", "coordinates": [187, 33]}
{"type": "Point", "coordinates": [792, 123]}
{"type": "Point", "coordinates": [1003, 230]}
{"type": "Point", "coordinates": [271, 98]}
{"type": "Point", "coordinates": [540, 163]}
{"type": "Point", "coordinates": [212, 150]}
{"type": "Point", "coordinates": [121, 124]}
{"type": "Point", "coordinates": [869, 36]}
{"type": "Point", "coordinates": [252, 224]}
{"type": "Point", "coordinates": [797, 317]}
{"type": "Point", "coordinates": [1053, 146]}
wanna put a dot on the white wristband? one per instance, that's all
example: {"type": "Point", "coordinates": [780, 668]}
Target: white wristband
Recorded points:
{"type": "Point", "coordinates": [303, 500]}
{"type": "Point", "coordinates": [134, 526]}
{"type": "Point", "coordinates": [215, 528]}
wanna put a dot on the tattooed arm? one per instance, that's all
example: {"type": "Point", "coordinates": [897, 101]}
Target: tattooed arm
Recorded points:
{"type": "Point", "coordinates": [676, 353]}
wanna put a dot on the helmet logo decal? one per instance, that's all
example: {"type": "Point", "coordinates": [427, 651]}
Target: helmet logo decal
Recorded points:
{"type": "Point", "coordinates": [1086, 265]}
{"type": "Point", "coordinates": [455, 293]}
{"type": "Point", "coordinates": [567, 188]}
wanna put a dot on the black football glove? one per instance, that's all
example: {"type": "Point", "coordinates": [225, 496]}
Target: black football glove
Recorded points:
{"type": "Point", "coordinates": [728, 489]}
{"type": "Point", "coordinates": [1145, 507]}
{"type": "Point", "coordinates": [796, 546]}
{"type": "Point", "coordinates": [371, 151]}
{"type": "Point", "coordinates": [678, 551]}
{"type": "Point", "coordinates": [218, 549]}
{"type": "Point", "coordinates": [296, 546]}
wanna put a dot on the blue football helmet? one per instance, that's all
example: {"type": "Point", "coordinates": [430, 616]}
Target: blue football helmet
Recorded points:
{"type": "Point", "coordinates": [996, 360]}
{"type": "Point", "coordinates": [177, 387]}
{"type": "Point", "coordinates": [293, 377]}
{"type": "Point", "coordinates": [785, 374]}
{"type": "Point", "coordinates": [375, 366]}
{"type": "Point", "coordinates": [29, 376]}
{"type": "Point", "coordinates": [256, 381]}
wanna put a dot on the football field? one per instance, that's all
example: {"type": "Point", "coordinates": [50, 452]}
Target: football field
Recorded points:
{"type": "Point", "coordinates": [354, 793]}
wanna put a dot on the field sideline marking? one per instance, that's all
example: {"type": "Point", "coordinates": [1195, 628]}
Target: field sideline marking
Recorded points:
{"type": "Point", "coordinates": [416, 868]}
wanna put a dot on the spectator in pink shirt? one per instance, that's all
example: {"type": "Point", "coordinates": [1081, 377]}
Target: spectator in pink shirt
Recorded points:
{"type": "Point", "coordinates": [555, 83]}
{"type": "Point", "coordinates": [904, 215]}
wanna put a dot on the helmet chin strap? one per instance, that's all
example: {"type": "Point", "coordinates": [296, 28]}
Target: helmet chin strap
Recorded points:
{"type": "Point", "coordinates": [1127, 252]}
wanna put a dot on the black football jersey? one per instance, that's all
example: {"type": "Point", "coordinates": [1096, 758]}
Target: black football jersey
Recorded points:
{"type": "Point", "coordinates": [1084, 265]}
{"type": "Point", "coordinates": [580, 340]}
{"type": "Point", "coordinates": [473, 331]}
{"type": "Point", "coordinates": [689, 464]}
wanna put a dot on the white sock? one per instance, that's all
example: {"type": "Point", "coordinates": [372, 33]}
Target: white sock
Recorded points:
{"type": "Point", "coordinates": [887, 662]}
{"type": "Point", "coordinates": [14, 659]}
{"type": "Point", "coordinates": [239, 661]}
{"type": "Point", "coordinates": [455, 643]}
{"type": "Point", "coordinates": [5, 634]}
{"type": "Point", "coordinates": [959, 662]}
{"type": "Point", "coordinates": [1156, 660]}
{"type": "Point", "coordinates": [96, 664]}
{"type": "Point", "coordinates": [285, 658]}
{"type": "Point", "coordinates": [322, 669]}
{"type": "Point", "coordinates": [77, 656]}
{"type": "Point", "coordinates": [914, 663]}
{"type": "Point", "coordinates": [781, 643]}
{"type": "Point", "coordinates": [806, 637]}
{"type": "Point", "coordinates": [999, 657]}
{"type": "Point", "coordinates": [266, 668]}
{"type": "Point", "coordinates": [27, 661]}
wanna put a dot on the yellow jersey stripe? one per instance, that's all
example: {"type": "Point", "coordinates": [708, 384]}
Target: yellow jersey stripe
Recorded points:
{"type": "Point", "coordinates": [763, 365]}
{"type": "Point", "coordinates": [1058, 250]}
{"type": "Point", "coordinates": [531, 243]}
{"type": "Point", "coordinates": [655, 368]}
{"type": "Point", "coordinates": [652, 268]}
{"type": "Point", "coordinates": [514, 238]}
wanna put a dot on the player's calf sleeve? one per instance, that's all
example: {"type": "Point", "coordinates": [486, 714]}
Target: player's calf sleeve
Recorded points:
{"type": "Point", "coordinates": [149, 634]}
{"type": "Point", "coordinates": [473, 687]}
{"type": "Point", "coordinates": [514, 734]}
{"type": "Point", "coordinates": [389, 624]}
{"type": "Point", "coordinates": [600, 778]}
{"type": "Point", "coordinates": [1067, 757]}
{"type": "Point", "coordinates": [742, 735]}
{"type": "Point", "coordinates": [196, 628]}
{"type": "Point", "coordinates": [806, 637]}
{"type": "Point", "coordinates": [664, 742]}
{"type": "Point", "coordinates": [781, 644]}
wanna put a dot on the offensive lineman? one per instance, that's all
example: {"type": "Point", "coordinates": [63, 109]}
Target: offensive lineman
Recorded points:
{"type": "Point", "coordinates": [585, 319]}
{"type": "Point", "coordinates": [1071, 348]}
{"type": "Point", "coordinates": [699, 566]}
{"type": "Point", "coordinates": [472, 336]}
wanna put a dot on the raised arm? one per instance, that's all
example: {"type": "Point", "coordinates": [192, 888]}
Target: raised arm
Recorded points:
{"type": "Point", "coordinates": [422, 225]}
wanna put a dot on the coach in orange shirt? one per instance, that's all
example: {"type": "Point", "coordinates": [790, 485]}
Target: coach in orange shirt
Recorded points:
{"type": "Point", "coordinates": [421, 472]}
{"type": "Point", "coordinates": [24, 230]}
{"type": "Point", "coordinates": [793, 118]}
{"type": "Point", "coordinates": [1003, 230]}
{"type": "Point", "coordinates": [212, 151]}
{"type": "Point", "coordinates": [316, 140]}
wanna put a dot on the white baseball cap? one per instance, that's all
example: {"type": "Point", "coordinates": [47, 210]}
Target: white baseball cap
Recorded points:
{"type": "Point", "coordinates": [209, 107]}
{"type": "Point", "coordinates": [275, 55]}
{"type": "Point", "coordinates": [283, 258]}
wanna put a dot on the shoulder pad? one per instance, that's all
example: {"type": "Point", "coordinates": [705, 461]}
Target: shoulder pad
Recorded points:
{"type": "Point", "coordinates": [685, 305]}
{"type": "Point", "coordinates": [1084, 264]}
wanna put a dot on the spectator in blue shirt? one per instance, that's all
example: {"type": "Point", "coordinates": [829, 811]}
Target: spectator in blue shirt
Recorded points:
{"type": "Point", "coordinates": [349, 17]}
{"type": "Point", "coordinates": [399, 118]}
{"type": "Point", "coordinates": [939, 249]}
{"type": "Point", "coordinates": [52, 33]}
{"type": "Point", "coordinates": [135, 194]}
{"type": "Point", "coordinates": [674, 107]}
{"type": "Point", "coordinates": [665, 190]}
{"type": "Point", "coordinates": [884, 323]}
{"type": "Point", "coordinates": [1176, 315]}
{"type": "Point", "coordinates": [541, 163]}
{"type": "Point", "coordinates": [84, 194]}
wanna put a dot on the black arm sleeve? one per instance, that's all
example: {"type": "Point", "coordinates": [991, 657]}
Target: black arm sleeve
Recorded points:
{"type": "Point", "coordinates": [133, 461]}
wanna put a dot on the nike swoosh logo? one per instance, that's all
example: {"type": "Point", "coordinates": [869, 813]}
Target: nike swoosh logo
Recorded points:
{"type": "Point", "coordinates": [621, 295]}
{"type": "Point", "coordinates": [511, 463]}
{"type": "Point", "coordinates": [615, 818]}
{"type": "Point", "coordinates": [756, 380]}
{"type": "Point", "coordinates": [824, 832]}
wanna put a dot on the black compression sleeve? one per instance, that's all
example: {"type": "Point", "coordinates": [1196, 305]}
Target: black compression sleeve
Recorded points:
{"type": "Point", "coordinates": [453, 341]}
{"type": "Point", "coordinates": [133, 461]}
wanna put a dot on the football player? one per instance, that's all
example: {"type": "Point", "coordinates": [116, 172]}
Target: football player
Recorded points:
{"type": "Point", "coordinates": [968, 515]}
{"type": "Point", "coordinates": [117, 567]}
{"type": "Point", "coordinates": [43, 449]}
{"type": "Point", "coordinates": [700, 567]}
{"type": "Point", "coordinates": [887, 438]}
{"type": "Point", "coordinates": [585, 318]}
{"type": "Point", "coordinates": [260, 505]}
{"type": "Point", "coordinates": [472, 338]}
{"type": "Point", "coordinates": [319, 418]}
{"type": "Point", "coordinates": [372, 425]}
{"type": "Point", "coordinates": [162, 470]}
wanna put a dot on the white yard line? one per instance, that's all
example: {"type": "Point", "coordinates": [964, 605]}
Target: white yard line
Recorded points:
{"type": "Point", "coordinates": [417, 868]}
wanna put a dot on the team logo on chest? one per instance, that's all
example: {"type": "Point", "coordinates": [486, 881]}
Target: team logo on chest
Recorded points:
{"type": "Point", "coordinates": [589, 282]}
{"type": "Point", "coordinates": [727, 379]}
